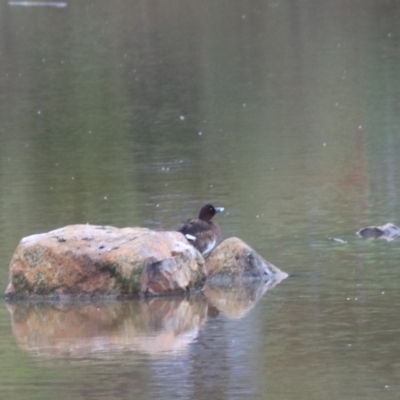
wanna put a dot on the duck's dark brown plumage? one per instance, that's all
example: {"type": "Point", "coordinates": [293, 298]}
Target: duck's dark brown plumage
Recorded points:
{"type": "Point", "coordinates": [201, 232]}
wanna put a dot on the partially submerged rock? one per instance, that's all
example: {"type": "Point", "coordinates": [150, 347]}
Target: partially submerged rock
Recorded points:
{"type": "Point", "coordinates": [387, 232]}
{"type": "Point", "coordinates": [85, 261]}
{"type": "Point", "coordinates": [233, 260]}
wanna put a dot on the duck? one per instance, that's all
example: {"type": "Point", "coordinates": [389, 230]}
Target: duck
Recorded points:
{"type": "Point", "coordinates": [201, 232]}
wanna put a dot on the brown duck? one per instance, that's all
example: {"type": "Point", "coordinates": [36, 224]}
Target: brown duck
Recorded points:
{"type": "Point", "coordinates": [201, 232]}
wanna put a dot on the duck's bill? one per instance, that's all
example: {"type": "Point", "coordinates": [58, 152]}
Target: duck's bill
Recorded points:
{"type": "Point", "coordinates": [219, 209]}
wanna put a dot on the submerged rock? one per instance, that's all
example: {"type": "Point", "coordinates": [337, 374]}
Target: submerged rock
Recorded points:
{"type": "Point", "coordinates": [338, 240]}
{"type": "Point", "coordinates": [387, 232]}
{"type": "Point", "coordinates": [87, 261]}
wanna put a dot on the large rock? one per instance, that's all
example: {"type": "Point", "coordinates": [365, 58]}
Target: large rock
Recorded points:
{"type": "Point", "coordinates": [235, 261]}
{"type": "Point", "coordinates": [87, 261]}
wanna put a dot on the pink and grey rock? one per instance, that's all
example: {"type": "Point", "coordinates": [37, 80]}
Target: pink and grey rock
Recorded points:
{"type": "Point", "coordinates": [234, 260]}
{"type": "Point", "coordinates": [87, 261]}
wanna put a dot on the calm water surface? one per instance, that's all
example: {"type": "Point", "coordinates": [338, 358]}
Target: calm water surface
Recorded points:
{"type": "Point", "coordinates": [135, 113]}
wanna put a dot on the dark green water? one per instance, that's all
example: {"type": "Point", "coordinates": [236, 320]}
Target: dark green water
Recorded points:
{"type": "Point", "coordinates": [135, 113]}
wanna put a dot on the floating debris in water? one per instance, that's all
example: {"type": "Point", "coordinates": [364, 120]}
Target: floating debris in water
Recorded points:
{"type": "Point", "coordinates": [338, 240]}
{"type": "Point", "coordinates": [182, 117]}
{"type": "Point", "coordinates": [38, 4]}
{"type": "Point", "coordinates": [387, 232]}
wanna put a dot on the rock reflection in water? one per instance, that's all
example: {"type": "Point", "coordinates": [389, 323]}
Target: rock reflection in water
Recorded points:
{"type": "Point", "coordinates": [155, 327]}
{"type": "Point", "coordinates": [237, 300]}
{"type": "Point", "coordinates": [159, 327]}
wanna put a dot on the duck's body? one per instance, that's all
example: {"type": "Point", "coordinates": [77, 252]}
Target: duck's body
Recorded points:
{"type": "Point", "coordinates": [201, 232]}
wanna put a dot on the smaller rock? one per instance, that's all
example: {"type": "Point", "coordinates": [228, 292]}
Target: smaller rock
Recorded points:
{"type": "Point", "coordinates": [387, 232]}
{"type": "Point", "coordinates": [234, 260]}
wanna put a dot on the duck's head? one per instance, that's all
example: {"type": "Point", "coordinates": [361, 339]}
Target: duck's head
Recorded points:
{"type": "Point", "coordinates": [208, 211]}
